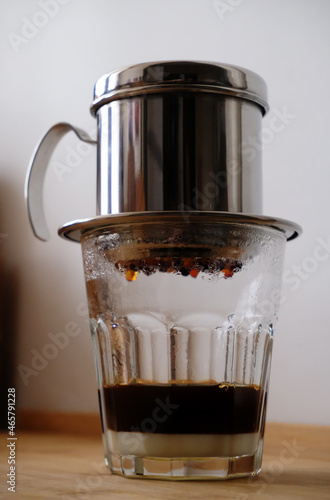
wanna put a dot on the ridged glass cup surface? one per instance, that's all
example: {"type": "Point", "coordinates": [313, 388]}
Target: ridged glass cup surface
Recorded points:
{"type": "Point", "coordinates": [182, 319]}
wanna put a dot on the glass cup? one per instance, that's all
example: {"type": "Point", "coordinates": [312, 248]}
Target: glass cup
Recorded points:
{"type": "Point", "coordinates": [182, 319]}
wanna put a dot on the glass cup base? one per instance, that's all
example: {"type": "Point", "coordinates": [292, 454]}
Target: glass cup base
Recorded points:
{"type": "Point", "coordinates": [199, 468]}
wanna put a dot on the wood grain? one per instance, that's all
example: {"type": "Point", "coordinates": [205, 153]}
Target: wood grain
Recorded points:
{"type": "Point", "coordinates": [53, 465]}
{"type": "Point", "coordinates": [66, 423]}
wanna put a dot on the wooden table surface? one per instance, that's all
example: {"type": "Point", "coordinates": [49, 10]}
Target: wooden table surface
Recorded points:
{"type": "Point", "coordinates": [71, 467]}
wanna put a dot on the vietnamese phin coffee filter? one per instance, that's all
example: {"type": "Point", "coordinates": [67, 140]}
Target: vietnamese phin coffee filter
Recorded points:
{"type": "Point", "coordinates": [183, 271]}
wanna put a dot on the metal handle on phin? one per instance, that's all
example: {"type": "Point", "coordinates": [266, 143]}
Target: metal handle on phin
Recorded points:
{"type": "Point", "coordinates": [37, 171]}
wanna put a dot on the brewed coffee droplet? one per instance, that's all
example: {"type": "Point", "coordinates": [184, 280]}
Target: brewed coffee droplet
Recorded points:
{"type": "Point", "coordinates": [194, 273]}
{"type": "Point", "coordinates": [131, 275]}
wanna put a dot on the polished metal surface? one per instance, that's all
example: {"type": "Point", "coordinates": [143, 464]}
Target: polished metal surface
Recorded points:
{"type": "Point", "coordinates": [179, 152]}
{"type": "Point", "coordinates": [180, 76]}
{"type": "Point", "coordinates": [76, 230]}
{"type": "Point", "coordinates": [37, 171]}
{"type": "Point", "coordinates": [177, 135]}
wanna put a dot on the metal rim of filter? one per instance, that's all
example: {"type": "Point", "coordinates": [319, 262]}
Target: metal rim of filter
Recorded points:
{"type": "Point", "coordinates": [75, 230]}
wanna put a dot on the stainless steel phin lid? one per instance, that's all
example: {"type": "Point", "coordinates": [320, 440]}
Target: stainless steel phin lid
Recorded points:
{"type": "Point", "coordinates": [180, 76]}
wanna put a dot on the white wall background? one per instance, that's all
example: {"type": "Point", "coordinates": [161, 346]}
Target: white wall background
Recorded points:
{"type": "Point", "coordinates": [49, 77]}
